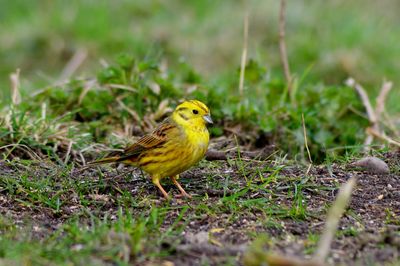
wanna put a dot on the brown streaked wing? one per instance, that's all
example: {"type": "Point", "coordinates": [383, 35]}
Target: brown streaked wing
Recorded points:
{"type": "Point", "coordinates": [157, 138]}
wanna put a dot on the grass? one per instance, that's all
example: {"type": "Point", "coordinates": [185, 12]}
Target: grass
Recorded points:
{"type": "Point", "coordinates": [104, 222]}
{"type": "Point", "coordinates": [140, 85]}
{"type": "Point", "coordinates": [102, 217]}
{"type": "Point", "coordinates": [82, 111]}
{"type": "Point", "coordinates": [105, 239]}
{"type": "Point", "coordinates": [87, 233]}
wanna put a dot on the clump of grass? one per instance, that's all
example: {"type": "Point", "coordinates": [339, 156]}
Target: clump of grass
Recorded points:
{"type": "Point", "coordinates": [36, 134]}
{"type": "Point", "coordinates": [131, 96]}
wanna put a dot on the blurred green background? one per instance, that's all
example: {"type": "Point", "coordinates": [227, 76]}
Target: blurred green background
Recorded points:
{"type": "Point", "coordinates": [170, 50]}
{"type": "Point", "coordinates": [336, 38]}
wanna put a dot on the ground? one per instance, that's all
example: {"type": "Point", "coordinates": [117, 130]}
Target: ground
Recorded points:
{"type": "Point", "coordinates": [79, 81]}
{"type": "Point", "coordinates": [114, 215]}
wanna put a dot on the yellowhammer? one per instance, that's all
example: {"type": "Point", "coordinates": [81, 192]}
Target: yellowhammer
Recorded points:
{"type": "Point", "coordinates": [174, 146]}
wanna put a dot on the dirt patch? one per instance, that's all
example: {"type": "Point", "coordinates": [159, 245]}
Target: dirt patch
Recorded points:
{"type": "Point", "coordinates": [234, 202]}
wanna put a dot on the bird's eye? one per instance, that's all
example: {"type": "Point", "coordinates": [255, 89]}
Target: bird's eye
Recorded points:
{"type": "Point", "coordinates": [195, 112]}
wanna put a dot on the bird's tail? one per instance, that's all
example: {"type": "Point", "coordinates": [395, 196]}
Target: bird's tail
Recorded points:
{"type": "Point", "coordinates": [105, 160]}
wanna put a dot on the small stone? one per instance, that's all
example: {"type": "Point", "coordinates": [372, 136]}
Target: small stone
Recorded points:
{"type": "Point", "coordinates": [77, 247]}
{"type": "Point", "coordinates": [373, 165]}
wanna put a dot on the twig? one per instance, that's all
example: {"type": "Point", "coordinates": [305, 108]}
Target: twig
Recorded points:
{"type": "Point", "coordinates": [364, 98]}
{"type": "Point", "coordinates": [380, 107]}
{"type": "Point", "coordinates": [15, 86]}
{"type": "Point", "coordinates": [76, 61]}
{"type": "Point", "coordinates": [129, 110]}
{"type": "Point", "coordinates": [244, 52]}
{"type": "Point", "coordinates": [120, 86]}
{"type": "Point", "coordinates": [43, 113]}
{"type": "Point", "coordinates": [368, 142]}
{"type": "Point", "coordinates": [380, 100]}
{"type": "Point", "coordinates": [88, 85]}
{"type": "Point", "coordinates": [332, 220]}
{"type": "Point", "coordinates": [390, 124]}
{"type": "Point", "coordinates": [382, 136]}
{"type": "Point", "coordinates": [308, 168]}
{"type": "Point", "coordinates": [374, 116]}
{"type": "Point", "coordinates": [282, 45]}
{"type": "Point", "coordinates": [368, 107]}
{"type": "Point", "coordinates": [68, 152]}
{"type": "Point", "coordinates": [305, 138]}
{"type": "Point", "coordinates": [22, 147]}
{"type": "Point", "coordinates": [82, 158]}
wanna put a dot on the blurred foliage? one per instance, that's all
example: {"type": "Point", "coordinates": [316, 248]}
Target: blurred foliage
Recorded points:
{"type": "Point", "coordinates": [130, 91]}
{"type": "Point", "coordinates": [336, 38]}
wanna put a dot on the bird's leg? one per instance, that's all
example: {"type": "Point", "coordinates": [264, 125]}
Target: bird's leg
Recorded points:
{"type": "Point", "coordinates": [173, 178]}
{"type": "Point", "coordinates": [156, 181]}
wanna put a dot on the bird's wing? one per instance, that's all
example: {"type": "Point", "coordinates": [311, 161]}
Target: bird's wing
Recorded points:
{"type": "Point", "coordinates": [157, 138]}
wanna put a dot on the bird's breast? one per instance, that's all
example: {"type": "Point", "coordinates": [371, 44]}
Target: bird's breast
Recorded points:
{"type": "Point", "coordinates": [198, 143]}
{"type": "Point", "coordinates": [176, 156]}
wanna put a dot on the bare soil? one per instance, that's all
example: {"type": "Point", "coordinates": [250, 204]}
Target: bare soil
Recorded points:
{"type": "Point", "coordinates": [369, 232]}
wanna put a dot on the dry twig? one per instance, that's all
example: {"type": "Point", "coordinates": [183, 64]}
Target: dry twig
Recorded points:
{"type": "Point", "coordinates": [15, 85]}
{"type": "Point", "coordinates": [88, 85]}
{"type": "Point", "coordinates": [76, 61]}
{"type": "Point", "coordinates": [381, 99]}
{"type": "Point", "coordinates": [305, 138]}
{"type": "Point", "coordinates": [68, 151]}
{"type": "Point", "coordinates": [382, 136]}
{"type": "Point", "coordinates": [364, 98]}
{"type": "Point", "coordinates": [129, 110]}
{"type": "Point", "coordinates": [282, 45]}
{"type": "Point", "coordinates": [244, 52]}
{"type": "Point", "coordinates": [374, 115]}
{"type": "Point", "coordinates": [24, 148]}
{"type": "Point", "coordinates": [332, 221]}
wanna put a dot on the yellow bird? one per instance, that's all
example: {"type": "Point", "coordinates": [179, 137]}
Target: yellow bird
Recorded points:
{"type": "Point", "coordinates": [178, 143]}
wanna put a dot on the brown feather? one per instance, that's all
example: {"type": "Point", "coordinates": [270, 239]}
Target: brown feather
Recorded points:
{"type": "Point", "coordinates": [148, 142]}
{"type": "Point", "coordinates": [157, 138]}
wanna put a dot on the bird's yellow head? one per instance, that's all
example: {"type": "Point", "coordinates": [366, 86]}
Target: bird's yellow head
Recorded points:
{"type": "Point", "coordinates": [192, 113]}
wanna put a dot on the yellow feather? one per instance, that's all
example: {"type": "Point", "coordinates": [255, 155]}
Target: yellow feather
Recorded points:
{"type": "Point", "coordinates": [177, 144]}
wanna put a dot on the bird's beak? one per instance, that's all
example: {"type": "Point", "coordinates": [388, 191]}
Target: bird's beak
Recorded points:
{"type": "Point", "coordinates": [208, 119]}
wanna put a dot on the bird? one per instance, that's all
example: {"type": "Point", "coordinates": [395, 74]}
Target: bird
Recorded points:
{"type": "Point", "coordinates": [177, 143]}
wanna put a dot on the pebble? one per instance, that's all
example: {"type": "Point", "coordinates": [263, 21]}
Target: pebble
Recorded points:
{"type": "Point", "coordinates": [373, 165]}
